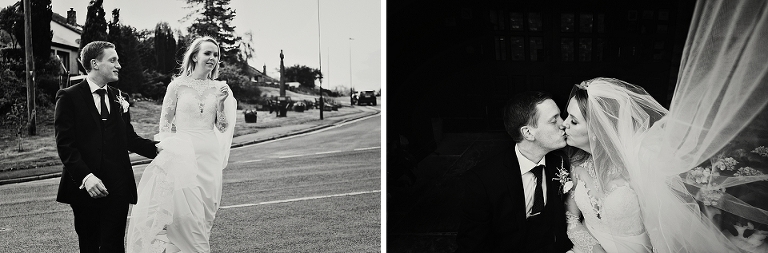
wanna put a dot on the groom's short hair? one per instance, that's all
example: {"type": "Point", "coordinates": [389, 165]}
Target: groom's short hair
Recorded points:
{"type": "Point", "coordinates": [521, 110]}
{"type": "Point", "coordinates": [93, 50]}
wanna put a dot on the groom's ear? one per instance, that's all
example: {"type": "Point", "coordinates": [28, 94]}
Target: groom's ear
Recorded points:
{"type": "Point", "coordinates": [527, 133]}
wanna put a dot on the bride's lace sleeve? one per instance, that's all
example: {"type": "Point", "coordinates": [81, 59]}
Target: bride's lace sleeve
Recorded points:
{"type": "Point", "coordinates": [582, 240]}
{"type": "Point", "coordinates": [221, 118]}
{"type": "Point", "coordinates": [168, 112]}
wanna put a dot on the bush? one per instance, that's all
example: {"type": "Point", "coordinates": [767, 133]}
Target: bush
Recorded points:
{"type": "Point", "coordinates": [243, 89]}
{"type": "Point", "coordinates": [155, 84]}
{"type": "Point", "coordinates": [10, 84]}
{"type": "Point", "coordinates": [48, 78]}
{"type": "Point", "coordinates": [13, 100]}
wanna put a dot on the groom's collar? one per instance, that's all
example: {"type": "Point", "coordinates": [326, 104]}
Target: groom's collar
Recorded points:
{"type": "Point", "coordinates": [525, 164]}
{"type": "Point", "coordinates": [93, 86]}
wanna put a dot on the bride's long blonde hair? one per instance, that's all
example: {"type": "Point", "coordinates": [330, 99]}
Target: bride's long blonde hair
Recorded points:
{"type": "Point", "coordinates": [188, 66]}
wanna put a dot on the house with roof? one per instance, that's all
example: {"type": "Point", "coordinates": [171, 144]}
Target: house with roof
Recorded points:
{"type": "Point", "coordinates": [65, 43]}
{"type": "Point", "coordinates": [261, 76]}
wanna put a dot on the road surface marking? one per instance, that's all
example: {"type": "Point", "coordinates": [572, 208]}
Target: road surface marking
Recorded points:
{"type": "Point", "coordinates": [296, 199]}
{"type": "Point", "coordinates": [329, 152]}
{"type": "Point", "coordinates": [247, 161]}
{"type": "Point", "coordinates": [300, 199]}
{"type": "Point", "coordinates": [290, 156]}
{"type": "Point", "coordinates": [300, 155]}
{"type": "Point", "coordinates": [361, 149]}
{"type": "Point", "coordinates": [313, 132]}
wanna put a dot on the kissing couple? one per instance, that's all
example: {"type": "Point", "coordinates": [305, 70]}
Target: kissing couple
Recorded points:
{"type": "Point", "coordinates": [617, 189]}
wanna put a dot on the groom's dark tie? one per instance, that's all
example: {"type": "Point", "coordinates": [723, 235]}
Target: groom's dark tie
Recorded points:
{"type": "Point", "coordinates": [538, 195]}
{"type": "Point", "coordinates": [104, 111]}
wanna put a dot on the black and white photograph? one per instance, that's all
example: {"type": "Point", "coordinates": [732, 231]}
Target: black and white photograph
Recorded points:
{"type": "Point", "coordinates": [576, 126]}
{"type": "Point", "coordinates": [579, 126]}
{"type": "Point", "coordinates": [190, 126]}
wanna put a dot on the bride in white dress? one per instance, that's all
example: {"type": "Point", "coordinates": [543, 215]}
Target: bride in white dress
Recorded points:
{"type": "Point", "coordinates": [180, 191]}
{"type": "Point", "coordinates": [605, 198]}
{"type": "Point", "coordinates": [627, 182]}
{"type": "Point", "coordinates": [620, 189]}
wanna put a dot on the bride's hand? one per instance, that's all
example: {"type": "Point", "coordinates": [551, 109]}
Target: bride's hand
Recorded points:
{"type": "Point", "coordinates": [223, 93]}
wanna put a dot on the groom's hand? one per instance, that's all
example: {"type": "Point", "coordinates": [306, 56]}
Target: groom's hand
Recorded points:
{"type": "Point", "coordinates": [95, 187]}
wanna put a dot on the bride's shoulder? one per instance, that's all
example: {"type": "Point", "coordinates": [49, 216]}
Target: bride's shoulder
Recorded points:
{"type": "Point", "coordinates": [578, 171]}
{"type": "Point", "coordinates": [177, 80]}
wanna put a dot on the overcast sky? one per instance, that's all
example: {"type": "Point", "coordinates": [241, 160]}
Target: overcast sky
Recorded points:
{"type": "Point", "coordinates": [290, 25]}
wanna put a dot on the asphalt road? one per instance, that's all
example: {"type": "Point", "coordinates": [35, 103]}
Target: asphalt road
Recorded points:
{"type": "Point", "coordinates": [317, 192]}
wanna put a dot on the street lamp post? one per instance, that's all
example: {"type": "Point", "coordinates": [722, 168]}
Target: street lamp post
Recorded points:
{"type": "Point", "coordinates": [320, 57]}
{"type": "Point", "coordinates": [282, 101]}
{"type": "Point", "coordinates": [352, 87]}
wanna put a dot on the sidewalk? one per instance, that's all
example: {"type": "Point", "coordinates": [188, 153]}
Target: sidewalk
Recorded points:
{"type": "Point", "coordinates": [265, 134]}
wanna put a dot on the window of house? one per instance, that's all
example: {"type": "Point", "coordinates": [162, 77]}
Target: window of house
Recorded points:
{"type": "Point", "coordinates": [536, 46]}
{"type": "Point", "coordinates": [566, 49]}
{"type": "Point", "coordinates": [567, 22]}
{"type": "Point", "coordinates": [599, 45]}
{"type": "Point", "coordinates": [501, 52]}
{"type": "Point", "coordinates": [64, 56]}
{"type": "Point", "coordinates": [585, 49]}
{"type": "Point", "coordinates": [515, 21]}
{"type": "Point", "coordinates": [585, 23]}
{"type": "Point", "coordinates": [534, 22]}
{"type": "Point", "coordinates": [663, 15]}
{"type": "Point", "coordinates": [518, 48]}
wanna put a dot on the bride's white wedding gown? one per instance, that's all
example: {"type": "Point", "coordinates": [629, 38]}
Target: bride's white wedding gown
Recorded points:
{"type": "Point", "coordinates": [619, 227]}
{"type": "Point", "coordinates": [180, 191]}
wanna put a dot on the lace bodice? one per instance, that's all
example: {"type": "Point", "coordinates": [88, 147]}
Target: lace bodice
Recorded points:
{"type": "Point", "coordinates": [191, 104]}
{"type": "Point", "coordinates": [619, 210]}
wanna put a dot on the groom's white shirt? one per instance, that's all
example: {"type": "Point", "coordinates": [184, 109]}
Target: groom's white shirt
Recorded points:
{"type": "Point", "coordinates": [529, 181]}
{"type": "Point", "coordinates": [96, 96]}
{"type": "Point", "coordinates": [97, 102]}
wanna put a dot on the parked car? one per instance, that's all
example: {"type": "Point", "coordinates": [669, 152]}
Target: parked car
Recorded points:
{"type": "Point", "coordinates": [366, 97]}
{"type": "Point", "coordinates": [353, 98]}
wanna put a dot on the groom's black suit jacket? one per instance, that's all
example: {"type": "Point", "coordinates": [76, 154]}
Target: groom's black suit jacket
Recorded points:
{"type": "Point", "coordinates": [87, 145]}
{"type": "Point", "coordinates": [493, 213]}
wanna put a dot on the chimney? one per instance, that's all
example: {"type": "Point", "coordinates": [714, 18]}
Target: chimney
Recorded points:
{"type": "Point", "coordinates": [264, 71]}
{"type": "Point", "coordinates": [72, 17]}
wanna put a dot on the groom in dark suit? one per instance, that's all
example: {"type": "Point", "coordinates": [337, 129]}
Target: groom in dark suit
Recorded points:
{"type": "Point", "coordinates": [511, 202]}
{"type": "Point", "coordinates": [93, 137]}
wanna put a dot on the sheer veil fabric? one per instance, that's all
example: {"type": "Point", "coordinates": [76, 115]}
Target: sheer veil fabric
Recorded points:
{"type": "Point", "coordinates": [721, 89]}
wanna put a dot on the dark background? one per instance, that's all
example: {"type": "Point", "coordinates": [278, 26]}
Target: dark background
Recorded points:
{"type": "Point", "coordinates": [452, 64]}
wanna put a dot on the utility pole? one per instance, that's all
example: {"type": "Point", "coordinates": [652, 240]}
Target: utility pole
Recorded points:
{"type": "Point", "coordinates": [31, 126]}
{"type": "Point", "coordinates": [320, 57]}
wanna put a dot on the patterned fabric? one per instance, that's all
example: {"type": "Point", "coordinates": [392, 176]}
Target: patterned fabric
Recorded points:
{"type": "Point", "coordinates": [582, 240]}
{"type": "Point", "coordinates": [620, 211]}
{"type": "Point", "coordinates": [191, 104]}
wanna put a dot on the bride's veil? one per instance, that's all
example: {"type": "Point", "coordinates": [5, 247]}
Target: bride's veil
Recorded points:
{"type": "Point", "coordinates": [721, 93]}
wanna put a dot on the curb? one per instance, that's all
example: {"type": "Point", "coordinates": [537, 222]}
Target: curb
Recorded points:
{"type": "Point", "coordinates": [237, 145]}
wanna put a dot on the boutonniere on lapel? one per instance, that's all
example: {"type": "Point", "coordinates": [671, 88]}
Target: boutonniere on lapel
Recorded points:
{"type": "Point", "coordinates": [122, 101]}
{"type": "Point", "coordinates": [564, 178]}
